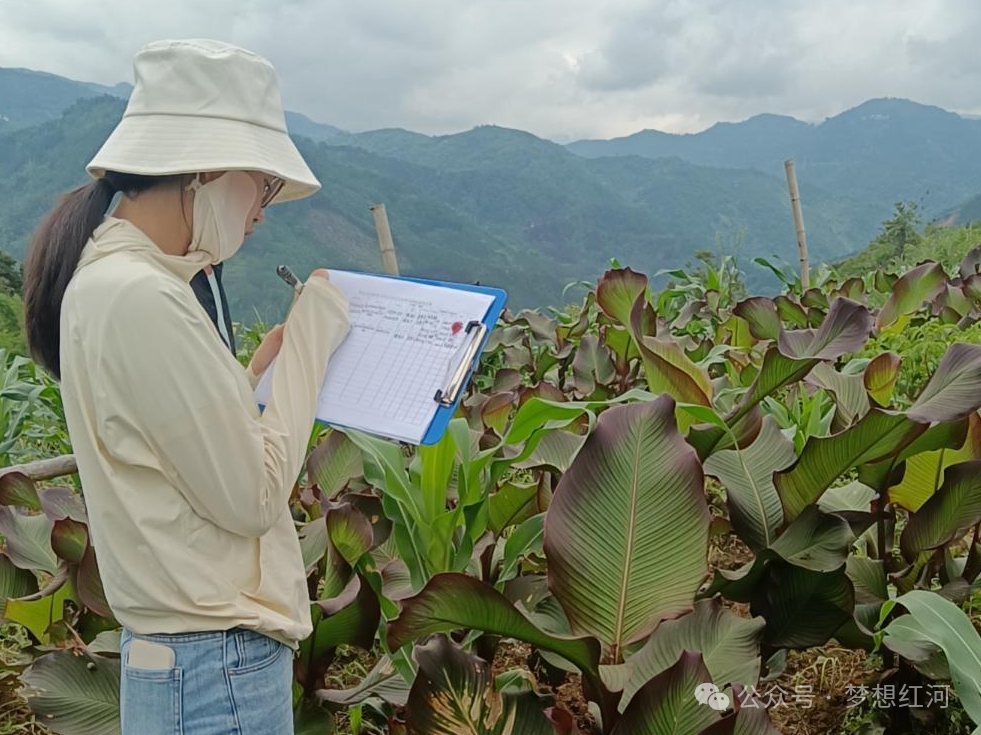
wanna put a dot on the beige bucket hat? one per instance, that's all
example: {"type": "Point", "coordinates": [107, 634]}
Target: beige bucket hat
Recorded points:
{"type": "Point", "coordinates": [200, 105]}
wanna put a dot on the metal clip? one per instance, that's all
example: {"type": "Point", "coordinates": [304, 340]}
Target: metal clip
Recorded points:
{"type": "Point", "coordinates": [447, 395]}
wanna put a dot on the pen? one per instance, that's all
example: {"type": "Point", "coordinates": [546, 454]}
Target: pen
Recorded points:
{"type": "Point", "coordinates": [286, 274]}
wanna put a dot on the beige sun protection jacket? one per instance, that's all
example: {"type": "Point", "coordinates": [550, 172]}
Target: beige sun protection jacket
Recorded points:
{"type": "Point", "coordinates": [186, 483]}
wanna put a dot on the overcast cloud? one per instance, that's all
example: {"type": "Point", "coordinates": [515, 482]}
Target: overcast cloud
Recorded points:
{"type": "Point", "coordinates": [562, 69]}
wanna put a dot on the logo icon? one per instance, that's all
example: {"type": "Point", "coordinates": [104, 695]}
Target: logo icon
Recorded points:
{"type": "Point", "coordinates": [709, 694]}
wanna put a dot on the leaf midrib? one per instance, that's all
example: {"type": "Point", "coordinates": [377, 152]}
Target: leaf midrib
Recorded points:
{"type": "Point", "coordinates": [628, 552]}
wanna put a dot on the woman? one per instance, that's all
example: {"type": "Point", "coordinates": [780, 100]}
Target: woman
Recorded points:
{"type": "Point", "coordinates": [186, 484]}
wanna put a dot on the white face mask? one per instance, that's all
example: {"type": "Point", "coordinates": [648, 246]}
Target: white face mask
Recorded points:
{"type": "Point", "coordinates": [221, 208]}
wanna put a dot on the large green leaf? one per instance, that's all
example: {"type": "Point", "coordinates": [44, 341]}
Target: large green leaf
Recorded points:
{"type": "Point", "coordinates": [954, 390]}
{"type": "Point", "coordinates": [953, 393]}
{"type": "Point", "coordinates": [802, 608]}
{"type": "Point", "coordinates": [592, 365]}
{"type": "Point", "coordinates": [925, 466]}
{"type": "Point", "coordinates": [761, 315]}
{"type": "Point", "coordinates": [512, 504]}
{"type": "Point", "coordinates": [14, 582]}
{"type": "Point", "coordinates": [28, 539]}
{"type": "Point", "coordinates": [618, 290]}
{"type": "Point", "coordinates": [747, 475]}
{"type": "Point", "coordinates": [921, 284]}
{"type": "Point", "coordinates": [60, 503]}
{"type": "Point", "coordinates": [908, 637]}
{"type": "Point", "coordinates": [729, 644]}
{"type": "Point", "coordinates": [74, 695]}
{"type": "Point", "coordinates": [949, 514]}
{"type": "Point", "coordinates": [333, 463]}
{"type": "Point", "coordinates": [666, 705]}
{"type": "Point", "coordinates": [815, 540]}
{"type": "Point", "coordinates": [880, 377]}
{"type": "Point", "coordinates": [951, 630]}
{"type": "Point", "coordinates": [350, 618]}
{"type": "Point", "coordinates": [845, 329]}
{"type": "Point", "coordinates": [349, 531]}
{"type": "Point", "coordinates": [38, 615]}
{"type": "Point", "coordinates": [454, 694]}
{"type": "Point", "coordinates": [456, 601]}
{"type": "Point", "coordinates": [383, 681]}
{"type": "Point", "coordinates": [555, 451]}
{"type": "Point", "coordinates": [878, 434]}
{"type": "Point", "coordinates": [848, 392]}
{"type": "Point", "coordinates": [69, 539]}
{"type": "Point", "coordinates": [626, 533]}
{"type": "Point", "coordinates": [16, 488]}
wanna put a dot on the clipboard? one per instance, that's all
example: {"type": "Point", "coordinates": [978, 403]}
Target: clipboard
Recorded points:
{"type": "Point", "coordinates": [449, 395]}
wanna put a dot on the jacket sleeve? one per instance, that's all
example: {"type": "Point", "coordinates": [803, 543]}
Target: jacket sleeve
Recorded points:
{"type": "Point", "coordinates": [184, 400]}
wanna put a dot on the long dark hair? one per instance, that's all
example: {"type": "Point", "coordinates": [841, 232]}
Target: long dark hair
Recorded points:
{"type": "Point", "coordinates": [54, 253]}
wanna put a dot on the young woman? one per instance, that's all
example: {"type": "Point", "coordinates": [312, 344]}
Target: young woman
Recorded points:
{"type": "Point", "coordinates": [186, 484]}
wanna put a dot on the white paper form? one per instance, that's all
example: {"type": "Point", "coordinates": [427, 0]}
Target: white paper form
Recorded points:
{"type": "Point", "coordinates": [404, 335]}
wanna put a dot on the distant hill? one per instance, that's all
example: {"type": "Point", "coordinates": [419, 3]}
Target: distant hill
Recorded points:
{"type": "Point", "coordinates": [505, 207]}
{"type": "Point", "coordinates": [30, 97]}
{"type": "Point", "coordinates": [880, 152]}
{"type": "Point", "coordinates": [491, 204]}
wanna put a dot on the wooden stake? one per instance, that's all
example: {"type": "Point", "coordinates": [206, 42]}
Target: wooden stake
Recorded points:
{"type": "Point", "coordinates": [46, 469]}
{"type": "Point", "coordinates": [798, 223]}
{"type": "Point", "coordinates": [389, 262]}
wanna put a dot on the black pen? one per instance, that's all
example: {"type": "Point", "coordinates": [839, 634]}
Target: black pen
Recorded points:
{"type": "Point", "coordinates": [286, 274]}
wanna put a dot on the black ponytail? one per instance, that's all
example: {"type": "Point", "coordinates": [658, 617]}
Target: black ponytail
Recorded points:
{"type": "Point", "coordinates": [54, 253]}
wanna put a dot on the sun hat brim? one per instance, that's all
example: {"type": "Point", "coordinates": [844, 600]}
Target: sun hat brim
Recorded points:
{"type": "Point", "coordinates": [161, 145]}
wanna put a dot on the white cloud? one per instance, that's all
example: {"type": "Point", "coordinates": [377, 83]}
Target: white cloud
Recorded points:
{"type": "Point", "coordinates": [561, 69]}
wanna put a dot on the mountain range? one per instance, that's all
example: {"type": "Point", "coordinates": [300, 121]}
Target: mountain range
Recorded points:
{"type": "Point", "coordinates": [508, 208]}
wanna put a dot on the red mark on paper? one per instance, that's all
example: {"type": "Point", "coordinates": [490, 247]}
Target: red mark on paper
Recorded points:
{"type": "Point", "coordinates": [457, 326]}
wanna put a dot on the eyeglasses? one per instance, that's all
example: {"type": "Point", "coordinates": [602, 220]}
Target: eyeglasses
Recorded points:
{"type": "Point", "coordinates": [270, 191]}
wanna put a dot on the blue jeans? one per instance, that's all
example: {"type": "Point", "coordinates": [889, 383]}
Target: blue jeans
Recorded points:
{"type": "Point", "coordinates": [234, 682]}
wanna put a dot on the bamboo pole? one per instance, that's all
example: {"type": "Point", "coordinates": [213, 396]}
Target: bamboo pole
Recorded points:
{"type": "Point", "coordinates": [798, 223]}
{"type": "Point", "coordinates": [389, 262]}
{"type": "Point", "coordinates": [46, 469]}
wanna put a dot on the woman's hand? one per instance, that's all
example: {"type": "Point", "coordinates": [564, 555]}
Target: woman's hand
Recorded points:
{"type": "Point", "coordinates": [267, 350]}
{"type": "Point", "coordinates": [273, 341]}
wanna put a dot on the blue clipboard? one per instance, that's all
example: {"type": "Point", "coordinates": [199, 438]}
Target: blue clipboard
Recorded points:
{"type": "Point", "coordinates": [445, 412]}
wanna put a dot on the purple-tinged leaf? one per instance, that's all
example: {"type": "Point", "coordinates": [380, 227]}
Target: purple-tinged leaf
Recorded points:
{"type": "Point", "coordinates": [747, 475]}
{"type": "Point", "coordinates": [952, 511]}
{"type": "Point", "coordinates": [908, 294]}
{"type": "Point", "coordinates": [729, 644]}
{"type": "Point", "coordinates": [88, 585]}
{"type": "Point", "coordinates": [761, 315]}
{"type": "Point", "coordinates": [667, 704]}
{"type": "Point", "coordinates": [60, 503]}
{"type": "Point", "coordinates": [954, 390]}
{"type": "Point", "coordinates": [618, 290]}
{"type": "Point", "coordinates": [635, 489]}
{"type": "Point", "coordinates": [877, 435]}
{"type": "Point", "coordinates": [790, 312]}
{"type": "Point", "coordinates": [970, 263]}
{"type": "Point", "coordinates": [333, 463]}
{"type": "Point", "coordinates": [454, 693]}
{"type": "Point", "coordinates": [69, 539]}
{"type": "Point", "coordinates": [456, 601]}
{"type": "Point", "coordinates": [802, 608]}
{"type": "Point", "coordinates": [349, 531]}
{"type": "Point", "coordinates": [18, 489]}
{"type": "Point", "coordinates": [880, 377]}
{"type": "Point", "coordinates": [28, 539]}
{"type": "Point", "coordinates": [74, 695]}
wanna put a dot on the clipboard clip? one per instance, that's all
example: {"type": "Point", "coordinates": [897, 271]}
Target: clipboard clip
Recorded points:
{"type": "Point", "coordinates": [447, 395]}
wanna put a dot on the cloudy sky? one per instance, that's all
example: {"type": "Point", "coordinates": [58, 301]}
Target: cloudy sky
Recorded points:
{"type": "Point", "coordinates": [563, 69]}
